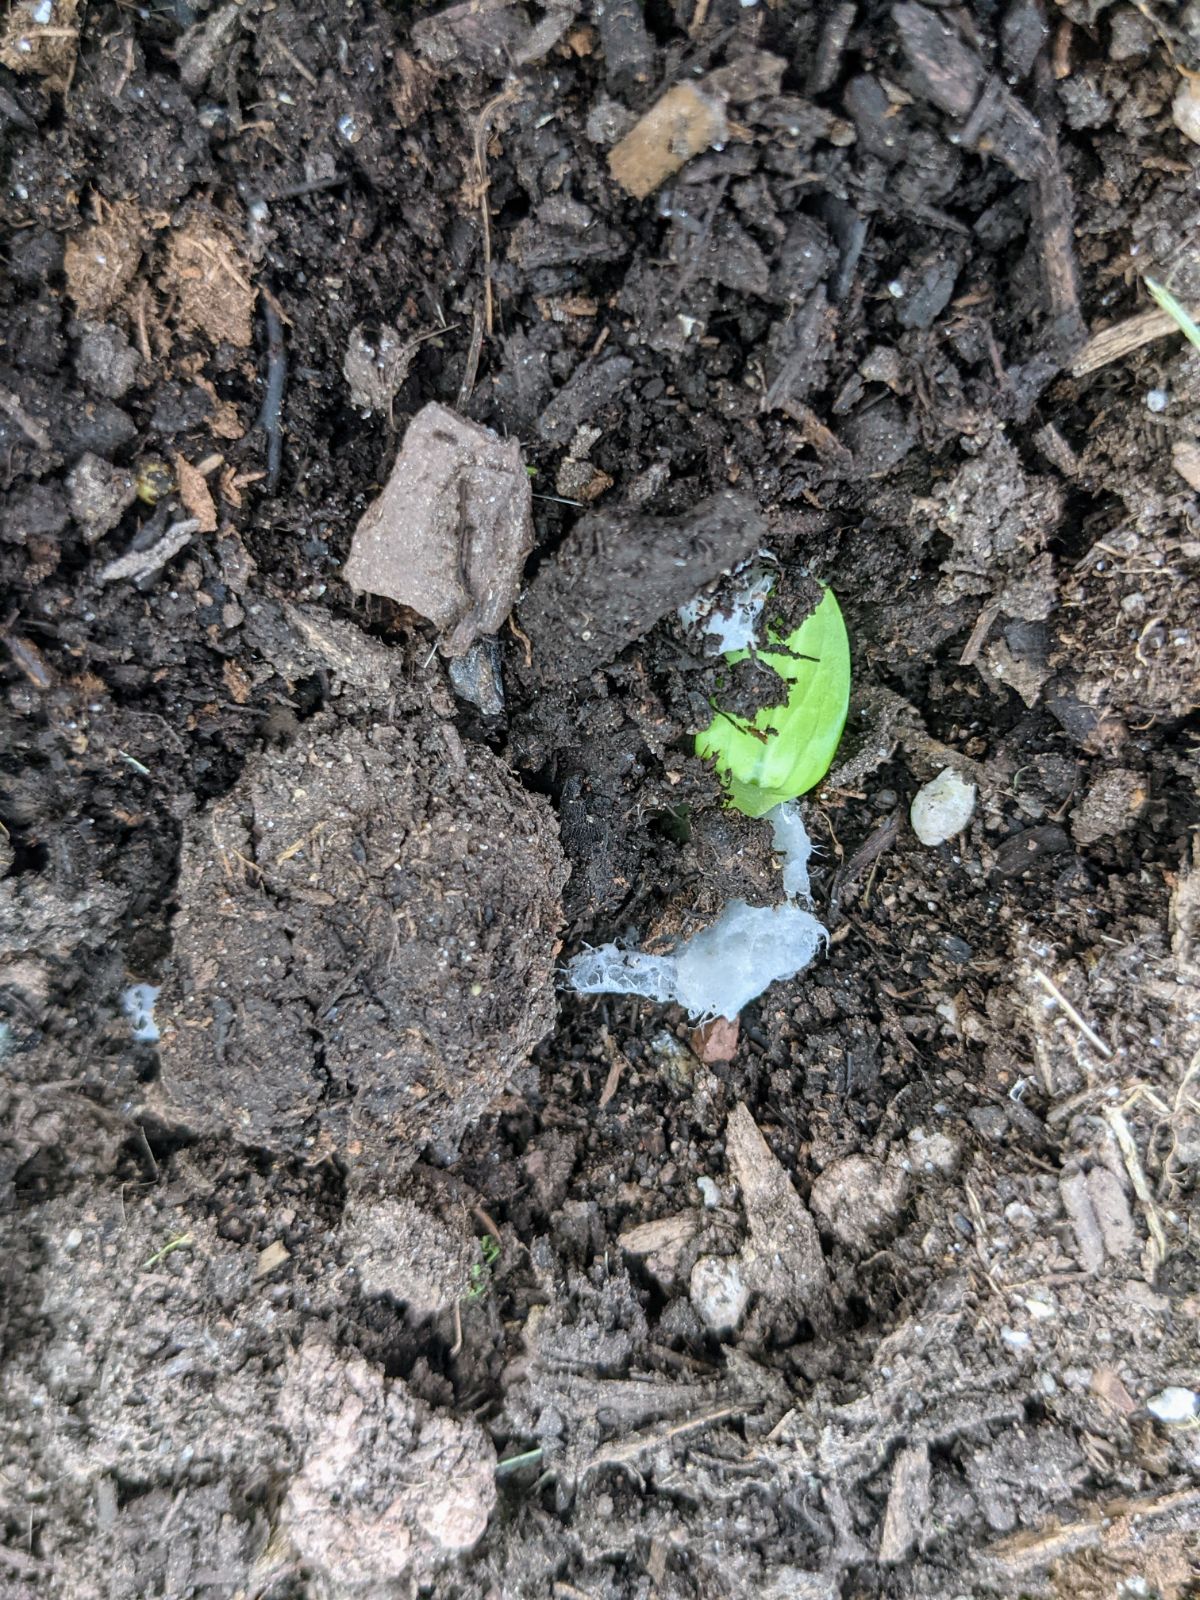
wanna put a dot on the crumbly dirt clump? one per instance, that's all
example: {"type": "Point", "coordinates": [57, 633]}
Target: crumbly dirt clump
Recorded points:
{"type": "Point", "coordinates": [364, 947]}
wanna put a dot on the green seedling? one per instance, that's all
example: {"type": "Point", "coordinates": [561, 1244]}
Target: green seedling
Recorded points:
{"type": "Point", "coordinates": [480, 1277]}
{"type": "Point", "coordinates": [510, 1464]}
{"type": "Point", "coordinates": [180, 1242]}
{"type": "Point", "coordinates": [788, 748]}
{"type": "Point", "coordinates": [1166, 301]}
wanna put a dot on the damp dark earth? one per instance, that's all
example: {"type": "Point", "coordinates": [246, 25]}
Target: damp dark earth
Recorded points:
{"type": "Point", "coordinates": [350, 1251]}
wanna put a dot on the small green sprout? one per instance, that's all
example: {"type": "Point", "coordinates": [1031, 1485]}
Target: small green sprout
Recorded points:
{"type": "Point", "coordinates": [1166, 301]}
{"type": "Point", "coordinates": [480, 1278]}
{"type": "Point", "coordinates": [180, 1242]}
{"type": "Point", "coordinates": [511, 1464]}
{"type": "Point", "coordinates": [788, 748]}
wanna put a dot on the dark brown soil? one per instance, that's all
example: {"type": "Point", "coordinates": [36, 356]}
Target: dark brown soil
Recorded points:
{"type": "Point", "coordinates": [391, 1267]}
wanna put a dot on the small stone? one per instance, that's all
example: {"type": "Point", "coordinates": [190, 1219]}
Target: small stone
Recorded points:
{"type": "Point", "coordinates": [710, 1193]}
{"type": "Point", "coordinates": [858, 1200]}
{"type": "Point", "coordinates": [719, 1293]}
{"type": "Point", "coordinates": [100, 495]}
{"type": "Point", "coordinates": [1173, 1406]}
{"type": "Point", "coordinates": [715, 1041]}
{"type": "Point", "coordinates": [1112, 804]}
{"type": "Point", "coordinates": [1185, 109]}
{"type": "Point", "coordinates": [405, 1252]}
{"type": "Point", "coordinates": [936, 1152]}
{"type": "Point", "coordinates": [990, 1122]}
{"type": "Point", "coordinates": [1131, 37]}
{"type": "Point", "coordinates": [107, 362]}
{"type": "Point", "coordinates": [1185, 458]}
{"type": "Point", "coordinates": [478, 677]}
{"type": "Point", "coordinates": [450, 532]}
{"type": "Point", "coordinates": [942, 808]}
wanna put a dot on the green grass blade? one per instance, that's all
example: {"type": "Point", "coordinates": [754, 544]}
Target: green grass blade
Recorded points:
{"type": "Point", "coordinates": [1167, 302]}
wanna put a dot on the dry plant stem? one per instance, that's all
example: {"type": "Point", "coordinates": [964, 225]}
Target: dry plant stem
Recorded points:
{"type": "Point", "coordinates": [1060, 999]}
{"type": "Point", "coordinates": [1137, 1177]}
{"type": "Point", "coordinates": [271, 417]}
{"type": "Point", "coordinates": [458, 1331]}
{"type": "Point", "coordinates": [483, 125]}
{"type": "Point", "coordinates": [141, 564]}
{"type": "Point", "coordinates": [467, 386]}
{"type": "Point", "coordinates": [625, 1453]}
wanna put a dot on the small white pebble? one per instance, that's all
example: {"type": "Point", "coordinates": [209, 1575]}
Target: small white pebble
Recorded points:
{"type": "Point", "coordinates": [1156, 400]}
{"type": "Point", "coordinates": [942, 808]}
{"type": "Point", "coordinates": [1174, 1406]}
{"type": "Point", "coordinates": [719, 1293]}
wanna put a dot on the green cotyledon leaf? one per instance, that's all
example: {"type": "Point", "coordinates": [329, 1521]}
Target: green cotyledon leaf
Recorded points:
{"type": "Point", "coordinates": [790, 747]}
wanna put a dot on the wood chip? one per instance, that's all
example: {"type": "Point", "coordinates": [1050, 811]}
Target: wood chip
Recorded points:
{"type": "Point", "coordinates": [783, 1261]}
{"type": "Point", "coordinates": [273, 1256]}
{"type": "Point", "coordinates": [195, 494]}
{"type": "Point", "coordinates": [908, 1505]}
{"type": "Point", "coordinates": [1107, 1386]}
{"type": "Point", "coordinates": [681, 125]}
{"type": "Point", "coordinates": [612, 1082]}
{"type": "Point", "coordinates": [1111, 344]}
{"type": "Point", "coordinates": [236, 682]}
{"type": "Point", "coordinates": [141, 564]}
{"type": "Point", "coordinates": [660, 1246]}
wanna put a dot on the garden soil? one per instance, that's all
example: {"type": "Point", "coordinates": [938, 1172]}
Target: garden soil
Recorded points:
{"type": "Point", "coordinates": [374, 1262]}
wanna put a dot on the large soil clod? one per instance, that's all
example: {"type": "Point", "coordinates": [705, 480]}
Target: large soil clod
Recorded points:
{"type": "Point", "coordinates": [363, 952]}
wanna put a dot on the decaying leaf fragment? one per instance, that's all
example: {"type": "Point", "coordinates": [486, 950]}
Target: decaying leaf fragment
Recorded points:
{"type": "Point", "coordinates": [450, 532]}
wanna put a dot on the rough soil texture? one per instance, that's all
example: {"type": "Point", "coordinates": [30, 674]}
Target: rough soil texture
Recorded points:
{"type": "Point", "coordinates": [363, 948]}
{"type": "Point", "coordinates": [385, 1269]}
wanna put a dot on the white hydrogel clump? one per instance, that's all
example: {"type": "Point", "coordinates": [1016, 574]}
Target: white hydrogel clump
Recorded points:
{"type": "Point", "coordinates": [137, 1003]}
{"type": "Point", "coordinates": [794, 845]}
{"type": "Point", "coordinates": [719, 971]}
{"type": "Point", "coordinates": [732, 617]}
{"type": "Point", "coordinates": [731, 962]}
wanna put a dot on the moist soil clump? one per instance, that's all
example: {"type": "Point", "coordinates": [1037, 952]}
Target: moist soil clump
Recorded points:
{"type": "Point", "coordinates": [348, 1252]}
